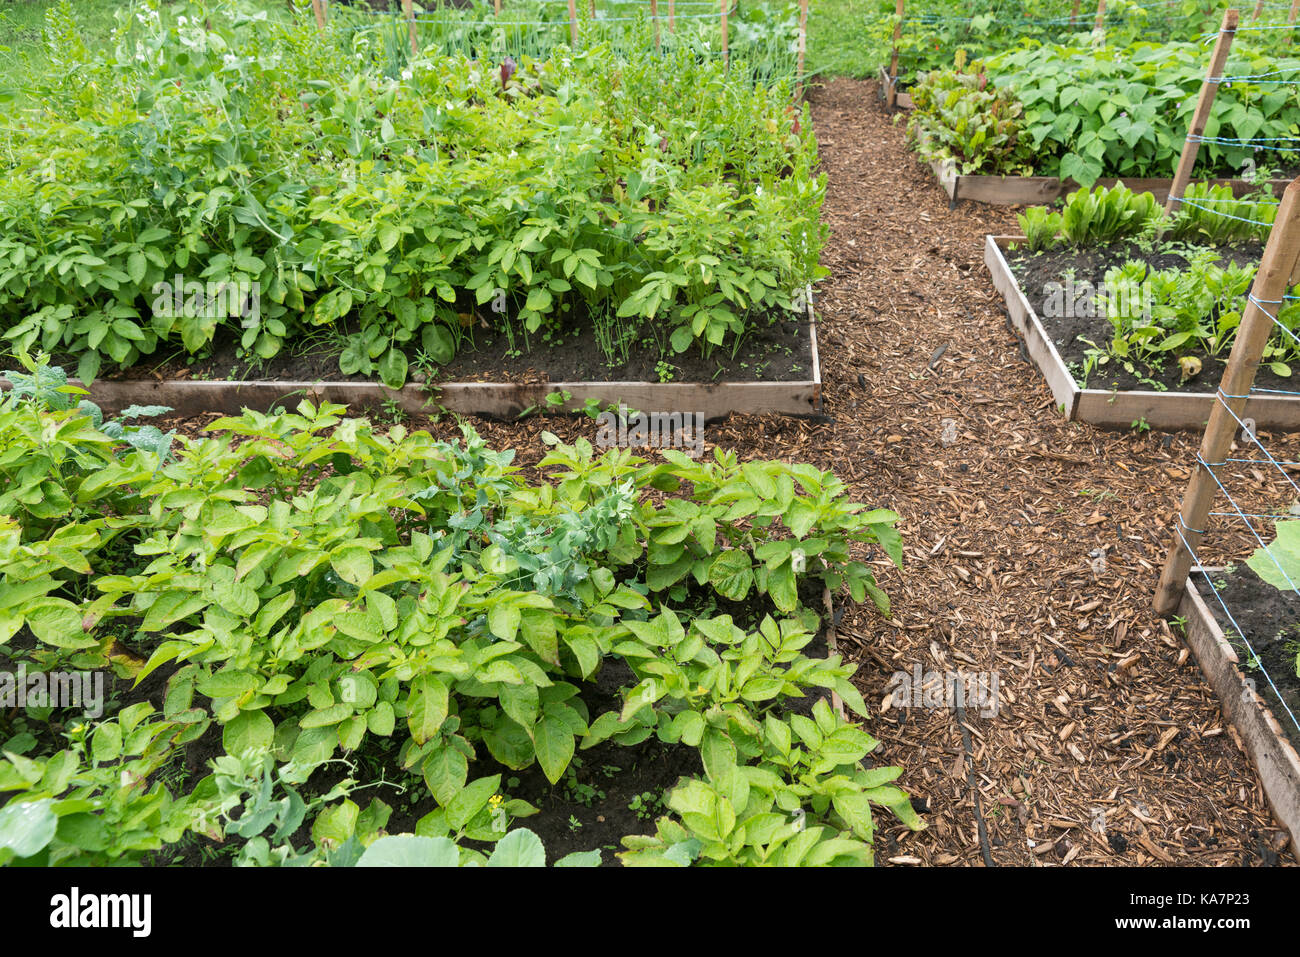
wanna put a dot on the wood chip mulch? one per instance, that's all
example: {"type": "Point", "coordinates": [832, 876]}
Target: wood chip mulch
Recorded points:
{"type": "Point", "coordinates": [1032, 547]}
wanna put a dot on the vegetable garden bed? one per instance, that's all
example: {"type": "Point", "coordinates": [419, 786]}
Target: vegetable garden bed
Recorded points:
{"type": "Point", "coordinates": [1094, 117]}
{"type": "Point", "coordinates": [1263, 738]}
{"type": "Point", "coordinates": [405, 210]}
{"type": "Point", "coordinates": [379, 583]}
{"type": "Point", "coordinates": [1111, 408]}
{"type": "Point", "coordinates": [505, 400]}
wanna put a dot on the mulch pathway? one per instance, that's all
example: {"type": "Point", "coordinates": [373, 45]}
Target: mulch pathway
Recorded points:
{"type": "Point", "coordinates": [1108, 746]}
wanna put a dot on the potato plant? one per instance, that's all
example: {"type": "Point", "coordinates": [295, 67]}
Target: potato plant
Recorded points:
{"type": "Point", "coordinates": [380, 209]}
{"type": "Point", "coordinates": [310, 585]}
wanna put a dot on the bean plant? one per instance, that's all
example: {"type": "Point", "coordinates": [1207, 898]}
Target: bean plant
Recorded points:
{"type": "Point", "coordinates": [1082, 113]}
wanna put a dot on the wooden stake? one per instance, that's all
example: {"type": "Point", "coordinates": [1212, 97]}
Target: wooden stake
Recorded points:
{"type": "Point", "coordinates": [318, 9]}
{"type": "Point", "coordinates": [593, 9]}
{"type": "Point", "coordinates": [1202, 115]}
{"type": "Point", "coordinates": [1101, 15]}
{"type": "Point", "coordinates": [1074, 13]}
{"type": "Point", "coordinates": [573, 23]}
{"type": "Point", "coordinates": [892, 98]}
{"type": "Point", "coordinates": [654, 18]}
{"type": "Point", "coordinates": [803, 47]}
{"type": "Point", "coordinates": [408, 7]}
{"type": "Point", "coordinates": [726, 54]}
{"type": "Point", "coordinates": [1276, 268]}
{"type": "Point", "coordinates": [1259, 8]}
{"type": "Point", "coordinates": [672, 15]}
{"type": "Point", "coordinates": [496, 7]}
{"type": "Point", "coordinates": [1295, 5]}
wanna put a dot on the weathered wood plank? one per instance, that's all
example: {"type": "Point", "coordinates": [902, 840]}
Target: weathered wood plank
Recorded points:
{"type": "Point", "coordinates": [1179, 410]}
{"type": "Point", "coordinates": [902, 101]}
{"type": "Point", "coordinates": [507, 400]}
{"type": "Point", "coordinates": [1266, 743]}
{"type": "Point", "coordinates": [1038, 344]}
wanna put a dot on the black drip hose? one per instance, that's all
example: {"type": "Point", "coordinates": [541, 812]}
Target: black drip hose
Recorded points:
{"type": "Point", "coordinates": [974, 789]}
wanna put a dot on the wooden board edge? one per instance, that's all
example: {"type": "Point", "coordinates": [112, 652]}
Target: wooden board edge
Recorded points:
{"type": "Point", "coordinates": [902, 101]}
{"type": "Point", "coordinates": [1009, 190]}
{"type": "Point", "coordinates": [1180, 411]}
{"type": "Point", "coordinates": [1039, 347]}
{"type": "Point", "coordinates": [713, 400]}
{"type": "Point", "coordinates": [816, 355]}
{"type": "Point", "coordinates": [491, 399]}
{"type": "Point", "coordinates": [1274, 758]}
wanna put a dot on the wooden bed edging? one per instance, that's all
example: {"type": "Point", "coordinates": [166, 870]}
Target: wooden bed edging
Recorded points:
{"type": "Point", "coordinates": [1265, 741]}
{"type": "Point", "coordinates": [1169, 411]}
{"type": "Point", "coordinates": [1041, 190]}
{"type": "Point", "coordinates": [504, 400]}
{"type": "Point", "coordinates": [902, 101]}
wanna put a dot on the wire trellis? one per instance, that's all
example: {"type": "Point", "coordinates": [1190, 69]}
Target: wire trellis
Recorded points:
{"type": "Point", "coordinates": [1216, 472]}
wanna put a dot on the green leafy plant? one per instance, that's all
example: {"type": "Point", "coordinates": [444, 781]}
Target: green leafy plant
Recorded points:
{"type": "Point", "coordinates": [958, 116]}
{"type": "Point", "coordinates": [1041, 227]}
{"type": "Point", "coordinates": [384, 205]}
{"type": "Point", "coordinates": [1082, 112]}
{"type": "Point", "coordinates": [314, 588]}
{"type": "Point", "coordinates": [1213, 215]}
{"type": "Point", "coordinates": [1101, 215]}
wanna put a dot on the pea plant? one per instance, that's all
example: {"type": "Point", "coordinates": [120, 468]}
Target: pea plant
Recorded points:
{"type": "Point", "coordinates": [310, 590]}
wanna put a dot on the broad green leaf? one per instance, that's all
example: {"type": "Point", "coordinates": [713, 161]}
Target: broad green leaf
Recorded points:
{"type": "Point", "coordinates": [407, 850]}
{"type": "Point", "coordinates": [27, 827]}
{"type": "Point", "coordinates": [519, 848]}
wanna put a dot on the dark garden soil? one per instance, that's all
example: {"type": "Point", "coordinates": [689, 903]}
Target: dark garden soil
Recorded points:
{"type": "Point", "coordinates": [1001, 526]}
{"type": "Point", "coordinates": [1035, 272]}
{"type": "Point", "coordinates": [1270, 622]}
{"type": "Point", "coordinates": [592, 807]}
{"type": "Point", "coordinates": [775, 348]}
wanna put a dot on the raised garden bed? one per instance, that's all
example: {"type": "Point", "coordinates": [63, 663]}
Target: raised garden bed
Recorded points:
{"type": "Point", "coordinates": [1247, 700]}
{"type": "Point", "coordinates": [607, 613]}
{"type": "Point", "coordinates": [1032, 123]}
{"type": "Point", "coordinates": [801, 396]}
{"type": "Point", "coordinates": [594, 243]}
{"type": "Point", "coordinates": [1113, 408]}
